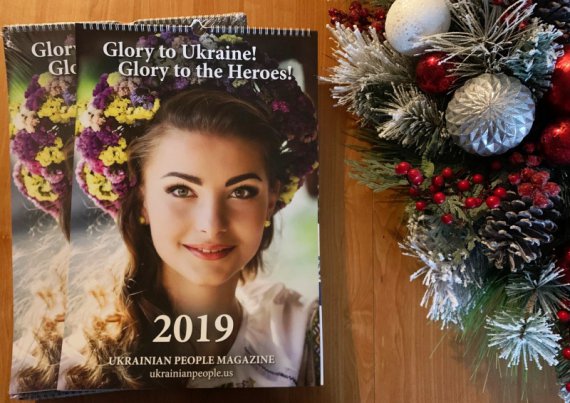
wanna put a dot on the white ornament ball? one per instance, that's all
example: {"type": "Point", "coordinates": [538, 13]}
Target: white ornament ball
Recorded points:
{"type": "Point", "coordinates": [408, 21]}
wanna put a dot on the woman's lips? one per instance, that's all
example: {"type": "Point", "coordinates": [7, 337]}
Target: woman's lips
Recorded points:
{"type": "Point", "coordinates": [209, 252]}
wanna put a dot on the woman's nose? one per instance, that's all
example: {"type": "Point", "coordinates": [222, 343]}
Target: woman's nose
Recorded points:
{"type": "Point", "coordinates": [211, 216]}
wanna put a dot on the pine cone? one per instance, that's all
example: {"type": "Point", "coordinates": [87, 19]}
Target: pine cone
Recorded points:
{"type": "Point", "coordinates": [514, 232]}
{"type": "Point", "coordinates": [556, 13]}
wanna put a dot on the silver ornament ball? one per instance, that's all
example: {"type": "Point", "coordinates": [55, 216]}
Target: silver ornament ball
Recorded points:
{"type": "Point", "coordinates": [490, 114]}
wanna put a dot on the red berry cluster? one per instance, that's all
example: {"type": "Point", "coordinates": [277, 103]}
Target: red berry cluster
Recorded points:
{"type": "Point", "coordinates": [534, 183]}
{"type": "Point", "coordinates": [359, 16]}
{"type": "Point", "coordinates": [445, 184]}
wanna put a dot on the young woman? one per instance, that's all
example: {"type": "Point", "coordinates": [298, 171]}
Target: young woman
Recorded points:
{"type": "Point", "coordinates": [209, 173]}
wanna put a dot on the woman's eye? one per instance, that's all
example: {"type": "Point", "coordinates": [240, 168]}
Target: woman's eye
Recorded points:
{"type": "Point", "coordinates": [245, 192]}
{"type": "Point", "coordinates": [180, 191]}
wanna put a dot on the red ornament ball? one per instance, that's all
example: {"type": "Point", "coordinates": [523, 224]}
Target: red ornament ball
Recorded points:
{"type": "Point", "coordinates": [433, 73]}
{"type": "Point", "coordinates": [439, 198]}
{"type": "Point", "coordinates": [447, 218]}
{"type": "Point", "coordinates": [568, 387]}
{"type": "Point", "coordinates": [566, 352]}
{"type": "Point", "coordinates": [555, 141]}
{"type": "Point", "coordinates": [557, 96]}
{"type": "Point", "coordinates": [563, 315]}
{"type": "Point", "coordinates": [421, 205]}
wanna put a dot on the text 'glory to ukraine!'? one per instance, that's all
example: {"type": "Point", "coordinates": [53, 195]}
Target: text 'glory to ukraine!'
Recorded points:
{"type": "Point", "coordinates": [146, 67]}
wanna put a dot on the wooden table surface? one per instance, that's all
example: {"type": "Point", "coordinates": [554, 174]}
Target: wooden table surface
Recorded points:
{"type": "Point", "coordinates": [378, 345]}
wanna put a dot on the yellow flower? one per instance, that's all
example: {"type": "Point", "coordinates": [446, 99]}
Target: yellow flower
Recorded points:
{"type": "Point", "coordinates": [51, 155]}
{"type": "Point", "coordinates": [99, 186]}
{"type": "Point", "coordinates": [289, 191]}
{"type": "Point", "coordinates": [114, 78]}
{"type": "Point", "coordinates": [56, 110]}
{"type": "Point", "coordinates": [123, 111]}
{"type": "Point", "coordinates": [233, 39]}
{"type": "Point", "coordinates": [114, 154]}
{"type": "Point", "coordinates": [37, 186]}
{"type": "Point", "coordinates": [44, 79]}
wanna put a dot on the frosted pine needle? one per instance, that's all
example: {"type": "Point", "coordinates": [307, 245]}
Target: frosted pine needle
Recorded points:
{"type": "Point", "coordinates": [526, 339]}
{"type": "Point", "coordinates": [545, 289]}
{"type": "Point", "coordinates": [363, 60]}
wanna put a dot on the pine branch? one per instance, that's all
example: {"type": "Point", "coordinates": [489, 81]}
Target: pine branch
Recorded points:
{"type": "Point", "coordinates": [414, 120]}
{"type": "Point", "coordinates": [365, 62]}
{"type": "Point", "coordinates": [483, 37]}
{"type": "Point", "coordinates": [533, 57]}
{"type": "Point", "coordinates": [523, 338]}
{"type": "Point", "coordinates": [541, 285]}
{"type": "Point", "coordinates": [451, 273]}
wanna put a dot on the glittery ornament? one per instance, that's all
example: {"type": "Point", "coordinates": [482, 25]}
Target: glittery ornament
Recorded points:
{"type": "Point", "coordinates": [490, 114]}
{"type": "Point", "coordinates": [558, 95]}
{"type": "Point", "coordinates": [433, 73]}
{"type": "Point", "coordinates": [555, 142]}
{"type": "Point", "coordinates": [408, 21]}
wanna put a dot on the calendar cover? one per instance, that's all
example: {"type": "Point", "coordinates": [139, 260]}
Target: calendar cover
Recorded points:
{"type": "Point", "coordinates": [195, 218]}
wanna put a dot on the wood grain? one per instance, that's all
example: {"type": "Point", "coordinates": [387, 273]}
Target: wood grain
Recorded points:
{"type": "Point", "coordinates": [378, 346]}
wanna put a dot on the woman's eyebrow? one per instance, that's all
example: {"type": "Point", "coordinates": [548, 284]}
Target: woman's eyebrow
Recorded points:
{"type": "Point", "coordinates": [239, 178]}
{"type": "Point", "coordinates": [189, 178]}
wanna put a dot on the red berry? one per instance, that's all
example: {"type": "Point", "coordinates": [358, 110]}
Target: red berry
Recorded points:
{"type": "Point", "coordinates": [421, 205]}
{"type": "Point", "coordinates": [412, 173]}
{"type": "Point", "coordinates": [533, 160]}
{"type": "Point", "coordinates": [402, 168]}
{"type": "Point", "coordinates": [500, 192]}
{"type": "Point", "coordinates": [438, 181]}
{"type": "Point", "coordinates": [478, 178]}
{"type": "Point", "coordinates": [447, 172]}
{"type": "Point", "coordinates": [463, 185]}
{"type": "Point", "coordinates": [471, 202]}
{"type": "Point", "coordinates": [540, 178]}
{"type": "Point", "coordinates": [498, 2]}
{"type": "Point", "coordinates": [568, 387]}
{"type": "Point", "coordinates": [433, 189]}
{"type": "Point", "coordinates": [438, 198]}
{"type": "Point", "coordinates": [516, 158]}
{"type": "Point", "coordinates": [493, 201]}
{"type": "Point", "coordinates": [563, 315]}
{"type": "Point", "coordinates": [447, 218]}
{"type": "Point", "coordinates": [525, 189]}
{"type": "Point", "coordinates": [566, 352]}
{"type": "Point", "coordinates": [514, 179]}
{"type": "Point", "coordinates": [496, 165]}
{"type": "Point", "coordinates": [523, 25]}
{"type": "Point", "coordinates": [478, 201]}
{"type": "Point", "coordinates": [529, 148]}
{"type": "Point", "coordinates": [414, 191]}
{"type": "Point", "coordinates": [417, 180]}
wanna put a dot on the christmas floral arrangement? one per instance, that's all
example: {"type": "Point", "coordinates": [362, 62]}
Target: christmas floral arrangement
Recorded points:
{"type": "Point", "coordinates": [40, 130]}
{"type": "Point", "coordinates": [466, 110]}
{"type": "Point", "coordinates": [120, 107]}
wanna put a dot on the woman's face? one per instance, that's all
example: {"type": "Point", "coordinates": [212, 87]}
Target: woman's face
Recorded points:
{"type": "Point", "coordinates": [206, 198]}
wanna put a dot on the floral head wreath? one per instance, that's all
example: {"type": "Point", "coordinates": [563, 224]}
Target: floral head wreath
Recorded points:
{"type": "Point", "coordinates": [40, 128]}
{"type": "Point", "coordinates": [120, 102]}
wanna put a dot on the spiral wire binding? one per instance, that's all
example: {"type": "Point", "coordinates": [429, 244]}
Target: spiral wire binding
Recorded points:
{"type": "Point", "coordinates": [96, 26]}
{"type": "Point", "coordinates": [189, 19]}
